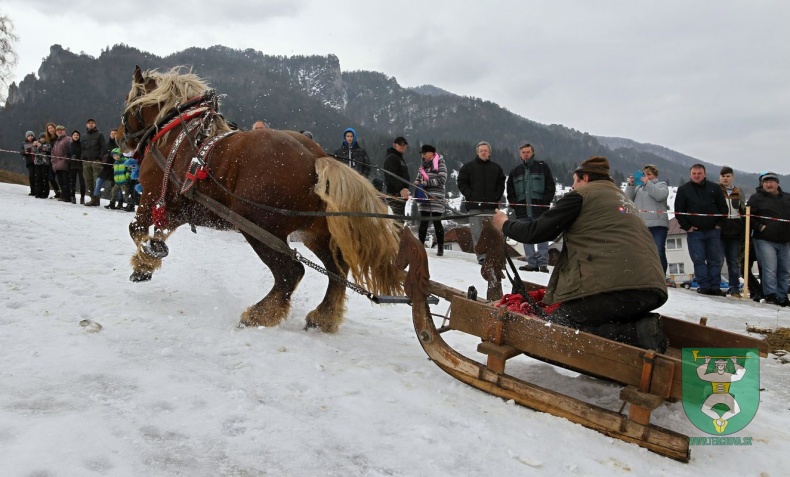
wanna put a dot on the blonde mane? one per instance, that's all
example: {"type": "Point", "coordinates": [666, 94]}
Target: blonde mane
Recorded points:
{"type": "Point", "coordinates": [172, 88]}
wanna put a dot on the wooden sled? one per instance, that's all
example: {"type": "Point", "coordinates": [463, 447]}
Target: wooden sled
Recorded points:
{"type": "Point", "coordinates": [649, 378]}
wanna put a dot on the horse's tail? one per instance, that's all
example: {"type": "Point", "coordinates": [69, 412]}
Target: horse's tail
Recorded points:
{"type": "Point", "coordinates": [369, 245]}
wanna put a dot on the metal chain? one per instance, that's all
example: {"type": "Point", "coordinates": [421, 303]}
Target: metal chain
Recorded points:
{"type": "Point", "coordinates": [334, 276]}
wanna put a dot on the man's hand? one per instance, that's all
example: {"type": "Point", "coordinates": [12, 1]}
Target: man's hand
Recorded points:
{"type": "Point", "coordinates": [499, 219]}
{"type": "Point", "coordinates": [707, 359]}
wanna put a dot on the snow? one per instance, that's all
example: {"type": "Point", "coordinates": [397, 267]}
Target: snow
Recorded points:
{"type": "Point", "coordinates": [171, 386]}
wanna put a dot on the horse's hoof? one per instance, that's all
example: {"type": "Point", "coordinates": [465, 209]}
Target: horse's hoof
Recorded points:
{"type": "Point", "coordinates": [155, 249]}
{"type": "Point", "coordinates": [140, 276]}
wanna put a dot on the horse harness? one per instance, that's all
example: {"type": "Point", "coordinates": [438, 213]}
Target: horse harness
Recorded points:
{"type": "Point", "coordinates": [190, 120]}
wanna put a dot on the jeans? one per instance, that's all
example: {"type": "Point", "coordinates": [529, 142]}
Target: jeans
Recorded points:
{"type": "Point", "coordinates": [98, 189]}
{"type": "Point", "coordinates": [660, 237]}
{"type": "Point", "coordinates": [476, 225]}
{"type": "Point", "coordinates": [705, 251]}
{"type": "Point", "coordinates": [398, 207]}
{"type": "Point", "coordinates": [774, 258]}
{"type": "Point", "coordinates": [731, 251]}
{"type": "Point", "coordinates": [535, 258]}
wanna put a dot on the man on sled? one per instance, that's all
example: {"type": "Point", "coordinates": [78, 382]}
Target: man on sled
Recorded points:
{"type": "Point", "coordinates": [609, 278]}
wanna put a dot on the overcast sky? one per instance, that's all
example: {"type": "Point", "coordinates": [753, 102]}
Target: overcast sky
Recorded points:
{"type": "Point", "coordinates": [708, 78]}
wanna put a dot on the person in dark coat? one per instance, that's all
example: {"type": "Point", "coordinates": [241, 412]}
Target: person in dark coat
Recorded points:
{"type": "Point", "coordinates": [352, 154]}
{"type": "Point", "coordinates": [431, 179]}
{"type": "Point", "coordinates": [27, 152]}
{"type": "Point", "coordinates": [42, 166]}
{"type": "Point", "coordinates": [396, 183]}
{"type": "Point", "coordinates": [608, 278]}
{"type": "Point", "coordinates": [705, 200]}
{"type": "Point", "coordinates": [733, 229]}
{"type": "Point", "coordinates": [93, 146]}
{"type": "Point", "coordinates": [106, 175]}
{"type": "Point", "coordinates": [530, 190]}
{"type": "Point", "coordinates": [75, 167]}
{"type": "Point", "coordinates": [772, 237]}
{"type": "Point", "coordinates": [482, 182]}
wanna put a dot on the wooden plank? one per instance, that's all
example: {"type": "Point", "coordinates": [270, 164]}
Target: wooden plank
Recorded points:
{"type": "Point", "coordinates": [579, 351]}
{"type": "Point", "coordinates": [632, 395]}
{"type": "Point", "coordinates": [666, 374]}
{"type": "Point", "coordinates": [683, 334]}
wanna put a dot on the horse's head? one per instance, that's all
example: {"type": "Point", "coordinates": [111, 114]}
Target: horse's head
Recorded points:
{"type": "Point", "coordinates": [136, 118]}
{"type": "Point", "coordinates": [153, 96]}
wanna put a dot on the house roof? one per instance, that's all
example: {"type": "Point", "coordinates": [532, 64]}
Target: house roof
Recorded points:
{"type": "Point", "coordinates": [674, 227]}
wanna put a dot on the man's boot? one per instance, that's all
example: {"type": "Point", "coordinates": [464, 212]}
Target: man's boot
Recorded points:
{"type": "Point", "coordinates": [111, 205]}
{"type": "Point", "coordinates": [650, 333]}
{"type": "Point", "coordinates": [129, 208]}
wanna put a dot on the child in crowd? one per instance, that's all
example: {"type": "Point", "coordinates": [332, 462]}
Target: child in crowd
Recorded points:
{"type": "Point", "coordinates": [42, 149]}
{"type": "Point", "coordinates": [120, 190]}
{"type": "Point", "coordinates": [134, 175]}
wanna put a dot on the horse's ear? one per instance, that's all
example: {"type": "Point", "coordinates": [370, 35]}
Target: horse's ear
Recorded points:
{"type": "Point", "coordinates": [138, 75]}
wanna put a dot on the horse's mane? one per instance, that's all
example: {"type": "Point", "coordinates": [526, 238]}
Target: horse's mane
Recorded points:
{"type": "Point", "coordinates": [172, 88]}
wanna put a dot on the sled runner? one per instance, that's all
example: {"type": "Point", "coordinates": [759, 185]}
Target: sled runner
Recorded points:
{"type": "Point", "coordinates": [649, 379]}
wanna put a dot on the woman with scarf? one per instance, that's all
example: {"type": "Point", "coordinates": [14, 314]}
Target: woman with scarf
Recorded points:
{"type": "Point", "coordinates": [430, 184]}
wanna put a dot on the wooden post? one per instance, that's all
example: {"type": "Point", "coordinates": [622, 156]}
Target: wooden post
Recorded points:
{"type": "Point", "coordinates": [746, 270]}
{"type": "Point", "coordinates": [638, 413]}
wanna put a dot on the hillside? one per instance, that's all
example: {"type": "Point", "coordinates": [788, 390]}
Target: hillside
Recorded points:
{"type": "Point", "coordinates": [313, 93]}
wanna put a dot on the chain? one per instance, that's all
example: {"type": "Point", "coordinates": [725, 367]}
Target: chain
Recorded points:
{"type": "Point", "coordinates": [334, 276]}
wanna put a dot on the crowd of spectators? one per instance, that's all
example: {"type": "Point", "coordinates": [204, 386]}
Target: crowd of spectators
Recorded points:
{"type": "Point", "coordinates": [64, 165]}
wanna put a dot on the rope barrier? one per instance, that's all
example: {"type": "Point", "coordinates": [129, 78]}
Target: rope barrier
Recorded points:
{"type": "Point", "coordinates": [454, 215]}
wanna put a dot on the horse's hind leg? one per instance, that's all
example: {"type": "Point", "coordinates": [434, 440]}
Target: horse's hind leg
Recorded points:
{"type": "Point", "coordinates": [274, 307]}
{"type": "Point", "coordinates": [328, 315]}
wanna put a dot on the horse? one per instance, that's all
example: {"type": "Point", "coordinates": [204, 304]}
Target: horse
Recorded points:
{"type": "Point", "coordinates": [280, 181]}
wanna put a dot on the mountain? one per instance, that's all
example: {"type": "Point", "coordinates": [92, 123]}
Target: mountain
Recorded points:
{"type": "Point", "coordinates": [313, 93]}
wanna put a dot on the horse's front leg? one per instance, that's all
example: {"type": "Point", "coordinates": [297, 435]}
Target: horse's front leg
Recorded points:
{"type": "Point", "coordinates": [276, 305]}
{"type": "Point", "coordinates": [150, 250]}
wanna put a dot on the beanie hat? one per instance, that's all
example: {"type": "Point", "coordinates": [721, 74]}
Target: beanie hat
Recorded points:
{"type": "Point", "coordinates": [427, 148]}
{"type": "Point", "coordinates": [30, 133]}
{"type": "Point", "coordinates": [116, 151]}
{"type": "Point", "coordinates": [769, 176]}
{"type": "Point", "coordinates": [594, 165]}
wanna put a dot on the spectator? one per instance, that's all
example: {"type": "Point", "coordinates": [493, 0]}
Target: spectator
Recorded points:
{"type": "Point", "coordinates": [649, 195]}
{"type": "Point", "coordinates": [482, 182]}
{"type": "Point", "coordinates": [51, 136]}
{"type": "Point", "coordinates": [599, 241]}
{"type": "Point", "coordinates": [431, 178]}
{"type": "Point", "coordinates": [75, 167]}
{"type": "Point", "coordinates": [121, 175]}
{"type": "Point", "coordinates": [42, 166]}
{"type": "Point", "coordinates": [134, 174]}
{"type": "Point", "coordinates": [732, 230]}
{"type": "Point", "coordinates": [352, 154]}
{"type": "Point", "coordinates": [106, 173]}
{"type": "Point", "coordinates": [396, 183]}
{"type": "Point", "coordinates": [93, 146]}
{"type": "Point", "coordinates": [259, 125]}
{"type": "Point", "coordinates": [28, 153]}
{"type": "Point", "coordinates": [772, 237]}
{"type": "Point", "coordinates": [60, 163]}
{"type": "Point", "coordinates": [530, 190]}
{"type": "Point", "coordinates": [700, 196]}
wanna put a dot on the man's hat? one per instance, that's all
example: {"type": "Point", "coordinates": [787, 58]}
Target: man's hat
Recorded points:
{"type": "Point", "coordinates": [427, 148]}
{"type": "Point", "coordinates": [721, 361]}
{"type": "Point", "coordinates": [769, 176]}
{"type": "Point", "coordinates": [90, 120]}
{"type": "Point", "coordinates": [594, 165]}
{"type": "Point", "coordinates": [400, 140]}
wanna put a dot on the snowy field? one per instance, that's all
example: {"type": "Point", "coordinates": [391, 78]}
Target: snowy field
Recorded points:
{"type": "Point", "coordinates": [170, 386]}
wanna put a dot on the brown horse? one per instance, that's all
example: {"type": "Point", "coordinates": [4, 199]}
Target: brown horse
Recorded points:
{"type": "Point", "coordinates": [257, 174]}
